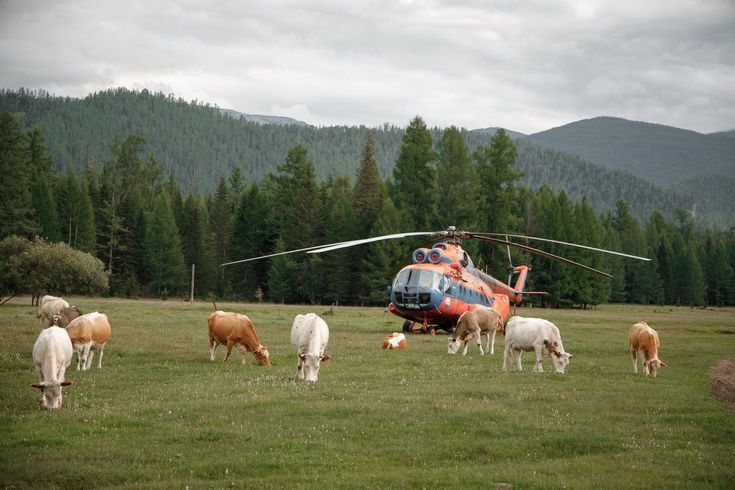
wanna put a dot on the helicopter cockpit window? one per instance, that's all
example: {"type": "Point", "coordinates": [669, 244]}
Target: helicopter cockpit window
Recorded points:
{"type": "Point", "coordinates": [446, 285]}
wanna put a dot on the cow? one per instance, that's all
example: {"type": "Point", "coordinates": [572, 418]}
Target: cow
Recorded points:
{"type": "Point", "coordinates": [65, 316]}
{"type": "Point", "coordinates": [48, 306]}
{"type": "Point", "coordinates": [644, 339]}
{"type": "Point", "coordinates": [395, 341]}
{"type": "Point", "coordinates": [230, 329]}
{"type": "Point", "coordinates": [534, 334]}
{"type": "Point", "coordinates": [474, 324]}
{"type": "Point", "coordinates": [89, 333]}
{"type": "Point", "coordinates": [52, 354]}
{"type": "Point", "coordinates": [309, 336]}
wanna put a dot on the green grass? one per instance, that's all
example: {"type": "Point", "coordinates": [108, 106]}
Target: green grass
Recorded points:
{"type": "Point", "coordinates": [161, 415]}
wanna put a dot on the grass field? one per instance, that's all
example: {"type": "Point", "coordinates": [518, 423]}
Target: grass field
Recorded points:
{"type": "Point", "coordinates": [161, 415]}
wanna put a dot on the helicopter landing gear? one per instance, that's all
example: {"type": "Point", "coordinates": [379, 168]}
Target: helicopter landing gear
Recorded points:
{"type": "Point", "coordinates": [407, 326]}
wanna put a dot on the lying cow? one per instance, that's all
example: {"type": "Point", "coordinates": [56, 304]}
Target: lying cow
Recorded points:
{"type": "Point", "coordinates": [64, 317]}
{"type": "Point", "coordinates": [309, 336]}
{"type": "Point", "coordinates": [395, 341]}
{"type": "Point", "coordinates": [89, 333]}
{"type": "Point", "coordinates": [644, 339]}
{"type": "Point", "coordinates": [48, 306]}
{"type": "Point", "coordinates": [534, 334]}
{"type": "Point", "coordinates": [474, 324]}
{"type": "Point", "coordinates": [232, 329]}
{"type": "Point", "coordinates": [52, 354]}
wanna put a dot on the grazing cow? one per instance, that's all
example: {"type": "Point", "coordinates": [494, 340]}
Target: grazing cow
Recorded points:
{"type": "Point", "coordinates": [395, 341]}
{"type": "Point", "coordinates": [232, 329]}
{"type": "Point", "coordinates": [64, 317]}
{"type": "Point", "coordinates": [644, 339]}
{"type": "Point", "coordinates": [51, 356]}
{"type": "Point", "coordinates": [48, 306]}
{"type": "Point", "coordinates": [474, 324]}
{"type": "Point", "coordinates": [89, 333]}
{"type": "Point", "coordinates": [534, 334]}
{"type": "Point", "coordinates": [309, 336]}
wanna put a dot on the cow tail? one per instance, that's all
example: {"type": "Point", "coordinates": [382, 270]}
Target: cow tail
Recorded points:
{"type": "Point", "coordinates": [215, 305]}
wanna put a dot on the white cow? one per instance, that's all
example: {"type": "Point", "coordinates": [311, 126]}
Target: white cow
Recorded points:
{"type": "Point", "coordinates": [534, 334]}
{"type": "Point", "coordinates": [52, 354]}
{"type": "Point", "coordinates": [309, 336]}
{"type": "Point", "coordinates": [48, 306]}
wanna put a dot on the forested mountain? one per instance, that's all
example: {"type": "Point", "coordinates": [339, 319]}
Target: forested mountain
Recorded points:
{"type": "Point", "coordinates": [197, 144]}
{"type": "Point", "coordinates": [662, 154]}
{"type": "Point", "coordinates": [491, 131]}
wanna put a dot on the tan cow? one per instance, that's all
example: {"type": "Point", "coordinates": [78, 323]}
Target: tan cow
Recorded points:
{"type": "Point", "coordinates": [48, 306]}
{"type": "Point", "coordinates": [644, 340]}
{"type": "Point", "coordinates": [89, 333]}
{"type": "Point", "coordinates": [232, 329]}
{"type": "Point", "coordinates": [473, 325]}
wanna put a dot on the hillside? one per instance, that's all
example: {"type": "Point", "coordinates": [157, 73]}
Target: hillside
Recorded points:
{"type": "Point", "coordinates": [197, 144]}
{"type": "Point", "coordinates": [261, 119]}
{"type": "Point", "coordinates": [662, 154]}
{"type": "Point", "coordinates": [491, 131]}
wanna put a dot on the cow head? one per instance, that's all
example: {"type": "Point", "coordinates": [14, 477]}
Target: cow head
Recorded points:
{"type": "Point", "coordinates": [561, 360]}
{"type": "Point", "coordinates": [453, 345]}
{"type": "Point", "coordinates": [652, 366]}
{"type": "Point", "coordinates": [309, 366]}
{"type": "Point", "coordinates": [262, 356]}
{"type": "Point", "coordinates": [50, 393]}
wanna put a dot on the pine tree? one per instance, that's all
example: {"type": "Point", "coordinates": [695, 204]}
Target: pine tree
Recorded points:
{"type": "Point", "coordinates": [339, 271]}
{"type": "Point", "coordinates": [381, 261]}
{"type": "Point", "coordinates": [195, 243]}
{"type": "Point", "coordinates": [220, 217]}
{"type": "Point", "coordinates": [456, 183]}
{"type": "Point", "coordinates": [415, 181]}
{"type": "Point", "coordinates": [496, 177]}
{"type": "Point", "coordinates": [368, 192]}
{"type": "Point", "coordinates": [162, 254]}
{"type": "Point", "coordinates": [43, 201]}
{"type": "Point", "coordinates": [16, 205]}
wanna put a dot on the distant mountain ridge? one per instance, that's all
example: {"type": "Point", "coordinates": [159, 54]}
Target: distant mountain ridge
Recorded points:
{"type": "Point", "coordinates": [661, 154]}
{"type": "Point", "coordinates": [491, 131]}
{"type": "Point", "coordinates": [261, 119]}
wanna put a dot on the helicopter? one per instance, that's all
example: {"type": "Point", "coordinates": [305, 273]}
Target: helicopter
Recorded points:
{"type": "Point", "coordinates": [442, 283]}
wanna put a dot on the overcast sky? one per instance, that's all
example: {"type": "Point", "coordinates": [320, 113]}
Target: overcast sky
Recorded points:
{"type": "Point", "coordinates": [523, 65]}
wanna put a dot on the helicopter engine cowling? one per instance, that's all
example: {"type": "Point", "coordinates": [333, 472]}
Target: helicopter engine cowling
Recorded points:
{"type": "Point", "coordinates": [420, 255]}
{"type": "Point", "coordinates": [435, 255]}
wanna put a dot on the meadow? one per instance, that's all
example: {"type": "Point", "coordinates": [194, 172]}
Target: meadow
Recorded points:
{"type": "Point", "coordinates": [159, 414]}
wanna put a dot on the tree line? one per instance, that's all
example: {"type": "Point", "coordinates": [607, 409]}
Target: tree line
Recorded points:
{"type": "Point", "coordinates": [136, 221]}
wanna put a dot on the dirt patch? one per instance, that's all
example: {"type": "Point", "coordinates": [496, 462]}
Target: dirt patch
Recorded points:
{"type": "Point", "coordinates": [722, 382]}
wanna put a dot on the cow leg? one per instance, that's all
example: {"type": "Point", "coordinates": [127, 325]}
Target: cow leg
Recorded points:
{"type": "Point", "coordinates": [99, 363]}
{"type": "Point", "coordinates": [478, 336]}
{"type": "Point", "coordinates": [466, 344]}
{"type": "Point", "coordinates": [230, 344]}
{"type": "Point", "coordinates": [538, 368]}
{"type": "Point", "coordinates": [634, 355]}
{"type": "Point", "coordinates": [517, 355]}
{"type": "Point", "coordinates": [506, 356]}
{"type": "Point", "coordinates": [243, 351]}
{"type": "Point", "coordinates": [212, 346]}
{"type": "Point", "coordinates": [89, 359]}
{"type": "Point", "coordinates": [300, 369]}
{"type": "Point", "coordinates": [80, 352]}
{"type": "Point", "coordinates": [492, 345]}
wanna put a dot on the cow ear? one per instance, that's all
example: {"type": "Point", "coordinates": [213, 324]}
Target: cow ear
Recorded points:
{"type": "Point", "coordinates": [67, 383]}
{"type": "Point", "coordinates": [37, 385]}
{"type": "Point", "coordinates": [302, 357]}
{"type": "Point", "coordinates": [325, 358]}
{"type": "Point", "coordinates": [663, 363]}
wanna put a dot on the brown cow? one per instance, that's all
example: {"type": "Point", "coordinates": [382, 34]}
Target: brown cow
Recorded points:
{"type": "Point", "coordinates": [88, 333]}
{"type": "Point", "coordinates": [232, 329]}
{"type": "Point", "coordinates": [64, 317]}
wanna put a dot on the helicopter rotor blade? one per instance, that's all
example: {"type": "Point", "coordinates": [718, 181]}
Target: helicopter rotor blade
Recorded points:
{"type": "Point", "coordinates": [561, 243]}
{"type": "Point", "coordinates": [352, 243]}
{"type": "Point", "coordinates": [274, 255]}
{"type": "Point", "coordinates": [537, 252]}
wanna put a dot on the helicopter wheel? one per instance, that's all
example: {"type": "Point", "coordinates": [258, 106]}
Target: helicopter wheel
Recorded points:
{"type": "Point", "coordinates": [432, 332]}
{"type": "Point", "coordinates": [407, 326]}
